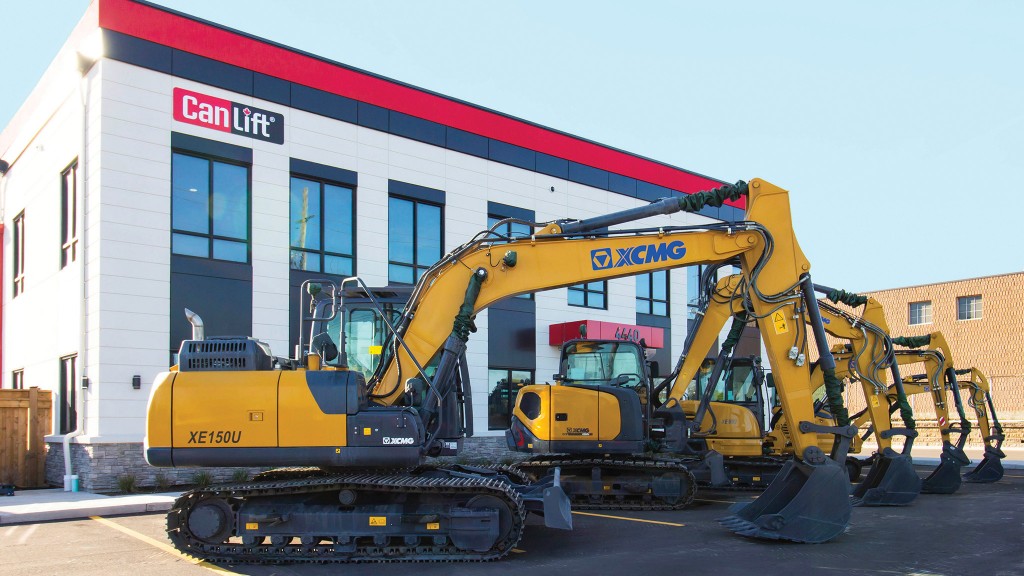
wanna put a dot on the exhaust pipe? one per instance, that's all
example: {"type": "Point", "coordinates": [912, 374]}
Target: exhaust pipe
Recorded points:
{"type": "Point", "coordinates": [198, 329]}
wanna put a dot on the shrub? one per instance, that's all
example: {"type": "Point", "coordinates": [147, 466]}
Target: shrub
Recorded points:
{"type": "Point", "coordinates": [163, 483]}
{"type": "Point", "coordinates": [202, 479]}
{"type": "Point", "coordinates": [127, 483]}
{"type": "Point", "coordinates": [240, 475]}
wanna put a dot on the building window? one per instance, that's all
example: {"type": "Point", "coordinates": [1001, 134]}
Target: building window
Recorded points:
{"type": "Point", "coordinates": [67, 415]}
{"type": "Point", "coordinates": [18, 380]}
{"type": "Point", "coordinates": [322, 227]}
{"type": "Point", "coordinates": [19, 254]}
{"type": "Point", "coordinates": [511, 230]}
{"type": "Point", "coordinates": [69, 215]}
{"type": "Point", "coordinates": [652, 293]}
{"type": "Point", "coordinates": [693, 274]}
{"type": "Point", "coordinates": [414, 238]}
{"type": "Point", "coordinates": [504, 385]}
{"type": "Point", "coordinates": [968, 308]}
{"type": "Point", "coordinates": [209, 208]}
{"type": "Point", "coordinates": [920, 313]}
{"type": "Point", "coordinates": [589, 295]}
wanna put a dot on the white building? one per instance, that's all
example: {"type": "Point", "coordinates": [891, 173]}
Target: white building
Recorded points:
{"type": "Point", "coordinates": [161, 161]}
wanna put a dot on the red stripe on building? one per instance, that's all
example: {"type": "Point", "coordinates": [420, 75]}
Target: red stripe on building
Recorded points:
{"type": "Point", "coordinates": [176, 31]}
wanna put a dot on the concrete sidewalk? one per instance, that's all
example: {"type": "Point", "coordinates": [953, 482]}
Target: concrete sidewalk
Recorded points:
{"type": "Point", "coordinates": [926, 455]}
{"type": "Point", "coordinates": [56, 504]}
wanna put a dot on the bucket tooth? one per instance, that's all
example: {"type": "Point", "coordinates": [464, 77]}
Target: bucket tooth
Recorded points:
{"type": "Point", "coordinates": [892, 481]}
{"type": "Point", "coordinates": [989, 470]}
{"type": "Point", "coordinates": [805, 503]}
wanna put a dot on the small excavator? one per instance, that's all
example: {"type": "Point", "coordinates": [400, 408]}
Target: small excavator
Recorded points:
{"type": "Point", "coordinates": [939, 377]}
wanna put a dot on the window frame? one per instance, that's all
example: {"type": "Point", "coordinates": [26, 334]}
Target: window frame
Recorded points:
{"type": "Point", "coordinates": [511, 398]}
{"type": "Point", "coordinates": [18, 259]}
{"type": "Point", "coordinates": [587, 291]}
{"type": "Point", "coordinates": [976, 312]}
{"type": "Point", "coordinates": [507, 232]}
{"type": "Point", "coordinates": [415, 264]}
{"type": "Point", "coordinates": [650, 299]}
{"type": "Point", "coordinates": [322, 251]}
{"type": "Point", "coordinates": [69, 214]}
{"type": "Point", "coordinates": [67, 413]}
{"type": "Point", "coordinates": [926, 305]}
{"type": "Point", "coordinates": [210, 236]}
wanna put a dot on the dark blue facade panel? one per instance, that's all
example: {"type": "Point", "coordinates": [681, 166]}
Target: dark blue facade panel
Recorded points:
{"type": "Point", "coordinates": [588, 175]}
{"type": "Point", "coordinates": [323, 103]}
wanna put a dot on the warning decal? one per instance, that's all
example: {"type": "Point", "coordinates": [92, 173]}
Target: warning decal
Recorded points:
{"type": "Point", "coordinates": [779, 320]}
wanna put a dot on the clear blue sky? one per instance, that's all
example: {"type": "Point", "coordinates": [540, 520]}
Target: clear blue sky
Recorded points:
{"type": "Point", "coordinates": [897, 126]}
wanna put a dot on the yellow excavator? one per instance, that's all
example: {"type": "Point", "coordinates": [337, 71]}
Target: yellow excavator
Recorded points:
{"type": "Point", "coordinates": [939, 377]}
{"type": "Point", "coordinates": [606, 430]}
{"type": "Point", "coordinates": [731, 438]}
{"type": "Point", "coordinates": [358, 489]}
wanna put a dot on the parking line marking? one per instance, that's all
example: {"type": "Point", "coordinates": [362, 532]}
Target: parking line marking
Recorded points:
{"type": "Point", "coordinates": [627, 518]}
{"type": "Point", "coordinates": [716, 501]}
{"type": "Point", "coordinates": [518, 551]}
{"type": "Point", "coordinates": [158, 544]}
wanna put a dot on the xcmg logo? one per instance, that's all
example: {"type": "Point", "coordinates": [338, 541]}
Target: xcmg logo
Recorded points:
{"type": "Point", "coordinates": [602, 258]}
{"type": "Point", "coordinates": [227, 116]}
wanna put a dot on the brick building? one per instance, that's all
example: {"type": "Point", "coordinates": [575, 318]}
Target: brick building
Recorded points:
{"type": "Point", "coordinates": [983, 322]}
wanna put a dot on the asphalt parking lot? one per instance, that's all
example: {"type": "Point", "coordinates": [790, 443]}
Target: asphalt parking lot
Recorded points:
{"type": "Point", "coordinates": [979, 530]}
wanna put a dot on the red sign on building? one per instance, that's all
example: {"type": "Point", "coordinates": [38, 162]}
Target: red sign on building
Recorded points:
{"type": "Point", "coordinates": [596, 330]}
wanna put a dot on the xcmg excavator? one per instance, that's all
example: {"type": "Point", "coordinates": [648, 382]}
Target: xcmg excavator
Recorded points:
{"type": "Point", "coordinates": [941, 376]}
{"type": "Point", "coordinates": [607, 429]}
{"type": "Point", "coordinates": [731, 440]}
{"type": "Point", "coordinates": [361, 492]}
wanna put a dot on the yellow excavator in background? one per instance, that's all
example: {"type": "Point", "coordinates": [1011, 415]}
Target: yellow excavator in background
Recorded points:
{"type": "Point", "coordinates": [606, 431]}
{"type": "Point", "coordinates": [361, 492]}
{"type": "Point", "coordinates": [892, 480]}
{"type": "Point", "coordinates": [940, 376]}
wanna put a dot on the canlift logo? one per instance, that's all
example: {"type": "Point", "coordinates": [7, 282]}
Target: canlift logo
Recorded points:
{"type": "Point", "coordinates": [602, 258]}
{"type": "Point", "coordinates": [227, 116]}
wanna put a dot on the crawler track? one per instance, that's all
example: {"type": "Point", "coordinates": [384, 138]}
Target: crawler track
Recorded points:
{"type": "Point", "coordinates": [423, 512]}
{"type": "Point", "coordinates": [625, 483]}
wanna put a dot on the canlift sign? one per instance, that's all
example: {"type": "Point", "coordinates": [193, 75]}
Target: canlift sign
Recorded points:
{"type": "Point", "coordinates": [227, 116]}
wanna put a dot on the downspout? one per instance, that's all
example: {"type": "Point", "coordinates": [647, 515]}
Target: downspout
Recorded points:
{"type": "Point", "coordinates": [70, 479]}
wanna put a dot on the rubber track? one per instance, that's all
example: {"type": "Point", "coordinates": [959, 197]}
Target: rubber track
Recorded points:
{"type": "Point", "coordinates": [400, 484]}
{"type": "Point", "coordinates": [642, 466]}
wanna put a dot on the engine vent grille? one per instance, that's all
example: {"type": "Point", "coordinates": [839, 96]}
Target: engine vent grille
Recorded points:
{"type": "Point", "coordinates": [224, 354]}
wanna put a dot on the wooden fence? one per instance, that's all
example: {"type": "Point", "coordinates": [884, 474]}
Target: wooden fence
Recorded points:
{"type": "Point", "coordinates": [25, 417]}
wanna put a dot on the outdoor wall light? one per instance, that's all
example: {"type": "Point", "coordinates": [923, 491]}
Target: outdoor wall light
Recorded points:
{"type": "Point", "coordinates": [136, 382]}
{"type": "Point", "coordinates": [85, 383]}
{"type": "Point", "coordinates": [4, 167]}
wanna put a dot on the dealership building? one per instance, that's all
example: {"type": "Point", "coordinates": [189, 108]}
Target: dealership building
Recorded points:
{"type": "Point", "coordinates": [165, 162]}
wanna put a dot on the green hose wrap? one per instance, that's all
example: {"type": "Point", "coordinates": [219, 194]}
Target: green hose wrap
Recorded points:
{"type": "Point", "coordinates": [714, 197]}
{"type": "Point", "coordinates": [912, 341]}
{"type": "Point", "coordinates": [851, 299]}
{"type": "Point", "coordinates": [906, 412]}
{"type": "Point", "coordinates": [464, 320]}
{"type": "Point", "coordinates": [738, 323]}
{"type": "Point", "coordinates": [834, 393]}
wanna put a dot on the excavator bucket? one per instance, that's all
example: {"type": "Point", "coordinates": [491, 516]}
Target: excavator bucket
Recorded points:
{"type": "Point", "coordinates": [989, 470]}
{"type": "Point", "coordinates": [805, 503]}
{"type": "Point", "coordinates": [946, 478]}
{"type": "Point", "coordinates": [892, 481]}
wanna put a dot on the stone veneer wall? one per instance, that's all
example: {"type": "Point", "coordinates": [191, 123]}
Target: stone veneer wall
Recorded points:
{"type": "Point", "coordinates": [100, 466]}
